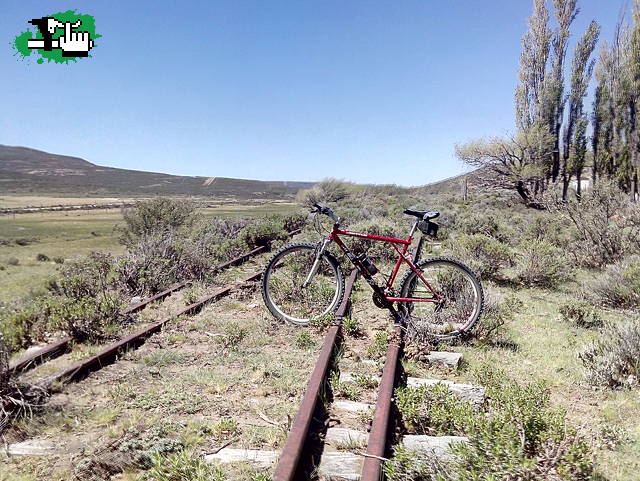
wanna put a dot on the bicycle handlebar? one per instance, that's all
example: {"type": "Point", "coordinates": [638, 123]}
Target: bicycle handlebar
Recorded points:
{"type": "Point", "coordinates": [326, 211]}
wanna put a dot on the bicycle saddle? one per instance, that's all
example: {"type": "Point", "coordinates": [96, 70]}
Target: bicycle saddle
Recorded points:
{"type": "Point", "coordinates": [424, 215]}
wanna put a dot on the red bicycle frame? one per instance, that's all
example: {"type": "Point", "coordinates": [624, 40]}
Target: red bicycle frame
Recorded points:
{"type": "Point", "coordinates": [397, 244]}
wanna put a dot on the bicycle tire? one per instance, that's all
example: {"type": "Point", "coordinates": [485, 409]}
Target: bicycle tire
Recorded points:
{"type": "Point", "coordinates": [266, 296]}
{"type": "Point", "coordinates": [411, 276]}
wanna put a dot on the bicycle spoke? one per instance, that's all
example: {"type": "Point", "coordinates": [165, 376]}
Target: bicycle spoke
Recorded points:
{"type": "Point", "coordinates": [286, 281]}
{"type": "Point", "coordinates": [456, 309]}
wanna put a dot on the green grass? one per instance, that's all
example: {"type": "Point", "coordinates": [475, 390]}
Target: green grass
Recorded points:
{"type": "Point", "coordinates": [71, 234]}
{"type": "Point", "coordinates": [547, 350]}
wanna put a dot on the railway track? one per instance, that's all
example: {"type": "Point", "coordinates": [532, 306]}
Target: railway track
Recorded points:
{"type": "Point", "coordinates": [301, 459]}
{"type": "Point", "coordinates": [61, 346]}
{"type": "Point", "coordinates": [317, 450]}
{"type": "Point", "coordinates": [314, 449]}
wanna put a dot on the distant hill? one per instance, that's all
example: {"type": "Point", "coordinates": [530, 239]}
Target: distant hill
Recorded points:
{"type": "Point", "coordinates": [30, 171]}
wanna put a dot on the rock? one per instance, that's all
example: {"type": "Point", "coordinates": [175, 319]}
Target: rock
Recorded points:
{"type": "Point", "coordinates": [135, 300]}
{"type": "Point", "coordinates": [339, 466]}
{"type": "Point", "coordinates": [468, 392]}
{"type": "Point", "coordinates": [259, 458]}
{"type": "Point", "coordinates": [347, 377]}
{"type": "Point", "coordinates": [369, 362]}
{"type": "Point", "coordinates": [439, 446]}
{"type": "Point", "coordinates": [337, 436]}
{"type": "Point", "coordinates": [443, 358]}
{"type": "Point", "coordinates": [352, 406]}
{"type": "Point", "coordinates": [34, 447]}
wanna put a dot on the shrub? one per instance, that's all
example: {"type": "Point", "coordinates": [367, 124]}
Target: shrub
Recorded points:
{"type": "Point", "coordinates": [327, 191]}
{"type": "Point", "coordinates": [304, 341]}
{"type": "Point", "coordinates": [580, 313]}
{"type": "Point", "coordinates": [491, 329]}
{"type": "Point", "coordinates": [539, 263]}
{"type": "Point", "coordinates": [156, 261]}
{"type": "Point", "coordinates": [485, 255]}
{"type": "Point", "coordinates": [618, 286]}
{"type": "Point", "coordinates": [351, 327]}
{"type": "Point", "coordinates": [548, 228]}
{"type": "Point", "coordinates": [85, 277]}
{"type": "Point", "coordinates": [410, 465]}
{"type": "Point", "coordinates": [613, 360]}
{"type": "Point", "coordinates": [514, 435]}
{"type": "Point", "coordinates": [263, 233]}
{"type": "Point", "coordinates": [25, 241]}
{"type": "Point", "coordinates": [607, 224]}
{"type": "Point", "coordinates": [379, 251]}
{"type": "Point", "coordinates": [480, 223]}
{"type": "Point", "coordinates": [294, 221]}
{"type": "Point", "coordinates": [154, 216]}
{"type": "Point", "coordinates": [90, 319]}
{"type": "Point", "coordinates": [42, 257]}
{"type": "Point", "coordinates": [433, 410]}
{"type": "Point", "coordinates": [58, 260]}
{"type": "Point", "coordinates": [182, 466]}
{"type": "Point", "coordinates": [15, 399]}
{"type": "Point", "coordinates": [21, 326]}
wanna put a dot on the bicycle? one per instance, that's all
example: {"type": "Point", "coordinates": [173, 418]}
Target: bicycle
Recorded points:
{"type": "Point", "coordinates": [440, 297]}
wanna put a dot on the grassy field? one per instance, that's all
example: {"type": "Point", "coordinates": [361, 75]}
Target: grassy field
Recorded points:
{"type": "Point", "coordinates": [70, 234]}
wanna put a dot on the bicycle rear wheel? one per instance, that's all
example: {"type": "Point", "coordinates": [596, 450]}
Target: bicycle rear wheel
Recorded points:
{"type": "Point", "coordinates": [459, 310]}
{"type": "Point", "coordinates": [283, 289]}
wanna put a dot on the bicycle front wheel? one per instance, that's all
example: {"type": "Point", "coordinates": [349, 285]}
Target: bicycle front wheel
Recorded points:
{"type": "Point", "coordinates": [457, 311]}
{"type": "Point", "coordinates": [292, 295]}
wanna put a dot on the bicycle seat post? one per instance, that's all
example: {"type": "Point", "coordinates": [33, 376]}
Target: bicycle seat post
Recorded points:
{"type": "Point", "coordinates": [413, 229]}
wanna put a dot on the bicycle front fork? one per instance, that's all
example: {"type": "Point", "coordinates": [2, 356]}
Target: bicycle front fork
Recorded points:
{"type": "Point", "coordinates": [316, 263]}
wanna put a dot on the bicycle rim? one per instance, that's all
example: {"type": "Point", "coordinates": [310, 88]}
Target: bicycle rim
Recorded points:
{"type": "Point", "coordinates": [283, 286]}
{"type": "Point", "coordinates": [455, 314]}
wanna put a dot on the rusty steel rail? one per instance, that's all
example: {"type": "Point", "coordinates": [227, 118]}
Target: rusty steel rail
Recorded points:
{"type": "Point", "coordinates": [293, 448]}
{"type": "Point", "coordinates": [80, 369]}
{"type": "Point", "coordinates": [377, 445]}
{"type": "Point", "coordinates": [49, 351]}
{"type": "Point", "coordinates": [61, 346]}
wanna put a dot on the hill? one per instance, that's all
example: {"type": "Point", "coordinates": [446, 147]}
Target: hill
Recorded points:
{"type": "Point", "coordinates": [29, 171]}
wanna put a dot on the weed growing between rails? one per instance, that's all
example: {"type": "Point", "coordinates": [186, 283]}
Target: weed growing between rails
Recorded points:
{"type": "Point", "coordinates": [187, 380]}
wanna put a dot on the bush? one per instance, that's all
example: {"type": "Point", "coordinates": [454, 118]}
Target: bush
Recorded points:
{"type": "Point", "coordinates": [84, 277]}
{"type": "Point", "coordinates": [539, 263]}
{"type": "Point", "coordinates": [158, 215]}
{"type": "Point", "coordinates": [580, 313]}
{"type": "Point", "coordinates": [263, 233]}
{"type": "Point", "coordinates": [327, 191]}
{"type": "Point", "coordinates": [20, 327]}
{"type": "Point", "coordinates": [480, 223]}
{"type": "Point", "coordinates": [294, 221]}
{"type": "Point", "coordinates": [491, 329]}
{"type": "Point", "coordinates": [618, 286]}
{"type": "Point", "coordinates": [410, 465]}
{"type": "Point", "coordinates": [613, 360]}
{"type": "Point", "coordinates": [90, 319]}
{"type": "Point", "coordinates": [58, 260]}
{"type": "Point", "coordinates": [379, 251]}
{"type": "Point", "coordinates": [182, 466]}
{"type": "Point", "coordinates": [433, 410]}
{"type": "Point", "coordinates": [515, 435]}
{"type": "Point", "coordinates": [42, 257]}
{"type": "Point", "coordinates": [485, 255]}
{"type": "Point", "coordinates": [607, 224]}
{"type": "Point", "coordinates": [156, 261]}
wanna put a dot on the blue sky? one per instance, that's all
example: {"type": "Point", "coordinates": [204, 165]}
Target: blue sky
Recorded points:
{"type": "Point", "coordinates": [369, 91]}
